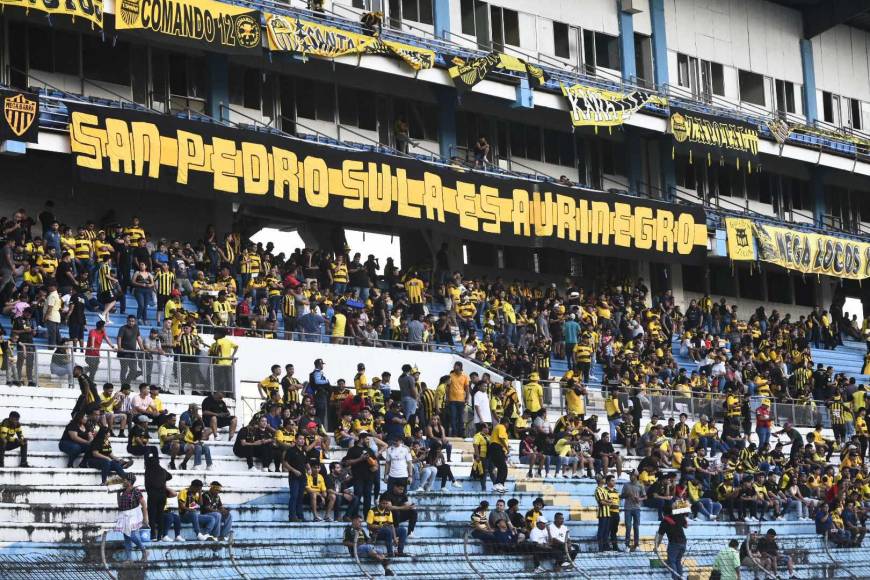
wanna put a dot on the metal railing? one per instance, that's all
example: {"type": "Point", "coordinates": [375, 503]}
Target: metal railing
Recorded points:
{"type": "Point", "coordinates": [42, 365]}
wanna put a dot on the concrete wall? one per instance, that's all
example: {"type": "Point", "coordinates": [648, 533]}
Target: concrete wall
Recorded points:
{"type": "Point", "coordinates": [842, 62]}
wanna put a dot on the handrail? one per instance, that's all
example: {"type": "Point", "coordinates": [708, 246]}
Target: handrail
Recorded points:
{"type": "Point", "coordinates": [833, 560]}
{"type": "Point", "coordinates": [569, 559]}
{"type": "Point", "coordinates": [664, 561]}
{"type": "Point", "coordinates": [767, 573]}
{"type": "Point", "coordinates": [108, 570]}
{"type": "Point", "coordinates": [356, 558]}
{"type": "Point", "coordinates": [230, 543]}
{"type": "Point", "coordinates": [465, 553]}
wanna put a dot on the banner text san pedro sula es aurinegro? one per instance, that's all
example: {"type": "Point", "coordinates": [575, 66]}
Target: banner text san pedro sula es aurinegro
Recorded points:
{"type": "Point", "coordinates": [163, 153]}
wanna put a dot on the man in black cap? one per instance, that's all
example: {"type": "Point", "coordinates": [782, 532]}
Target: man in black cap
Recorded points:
{"type": "Point", "coordinates": [212, 504]}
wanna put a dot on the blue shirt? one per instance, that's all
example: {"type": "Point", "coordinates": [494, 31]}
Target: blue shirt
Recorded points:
{"type": "Point", "coordinates": [274, 421]}
{"type": "Point", "coordinates": [52, 240]}
{"type": "Point", "coordinates": [161, 257]}
{"type": "Point", "coordinates": [393, 429]}
{"type": "Point", "coordinates": [571, 330]}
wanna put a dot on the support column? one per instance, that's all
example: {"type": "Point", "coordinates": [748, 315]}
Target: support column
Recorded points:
{"type": "Point", "coordinates": [446, 121]}
{"type": "Point", "coordinates": [525, 98]}
{"type": "Point", "coordinates": [817, 194]}
{"type": "Point", "coordinates": [441, 17]}
{"type": "Point", "coordinates": [659, 42]}
{"type": "Point", "coordinates": [669, 176]}
{"type": "Point", "coordinates": [811, 110]}
{"type": "Point", "coordinates": [217, 92]}
{"type": "Point", "coordinates": [633, 159]}
{"type": "Point", "coordinates": [626, 45]}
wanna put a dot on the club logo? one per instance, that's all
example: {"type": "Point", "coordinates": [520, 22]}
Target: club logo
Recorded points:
{"type": "Point", "coordinates": [20, 112]}
{"type": "Point", "coordinates": [248, 31]}
{"type": "Point", "coordinates": [130, 11]}
{"type": "Point", "coordinates": [679, 127]}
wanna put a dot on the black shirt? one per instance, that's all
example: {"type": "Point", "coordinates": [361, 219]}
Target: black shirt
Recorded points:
{"type": "Point", "coordinates": [297, 458]}
{"type": "Point", "coordinates": [63, 273]}
{"type": "Point", "coordinates": [396, 499]}
{"type": "Point", "coordinates": [672, 527]}
{"type": "Point", "coordinates": [136, 432]}
{"type": "Point", "coordinates": [212, 405]}
{"type": "Point", "coordinates": [360, 471]}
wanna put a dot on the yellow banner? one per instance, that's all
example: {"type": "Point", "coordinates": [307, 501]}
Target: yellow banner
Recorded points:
{"type": "Point", "coordinates": [591, 106]}
{"type": "Point", "coordinates": [224, 27]}
{"type": "Point", "coordinates": [90, 10]}
{"type": "Point", "coordinates": [288, 34]}
{"type": "Point", "coordinates": [805, 252]}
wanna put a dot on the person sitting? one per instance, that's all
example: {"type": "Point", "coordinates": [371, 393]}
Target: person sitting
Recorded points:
{"type": "Point", "coordinates": [216, 413]}
{"type": "Point", "coordinates": [381, 525]}
{"type": "Point", "coordinates": [403, 509]}
{"type": "Point", "coordinates": [137, 441]}
{"type": "Point", "coordinates": [111, 403]}
{"type": "Point", "coordinates": [11, 438]}
{"type": "Point", "coordinates": [193, 436]}
{"type": "Point", "coordinates": [205, 526]}
{"type": "Point", "coordinates": [254, 441]}
{"type": "Point", "coordinates": [172, 442]}
{"type": "Point", "coordinates": [212, 504]}
{"type": "Point", "coordinates": [356, 538]}
{"type": "Point", "coordinates": [101, 457]}
{"type": "Point", "coordinates": [480, 529]}
{"type": "Point", "coordinates": [76, 440]}
{"type": "Point", "coordinates": [315, 489]}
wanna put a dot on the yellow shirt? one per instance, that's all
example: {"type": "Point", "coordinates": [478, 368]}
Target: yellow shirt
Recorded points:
{"type": "Point", "coordinates": [499, 436]}
{"type": "Point", "coordinates": [223, 348]}
{"type": "Point", "coordinates": [533, 396]}
{"type": "Point", "coordinates": [457, 384]}
{"type": "Point", "coordinates": [480, 442]}
{"type": "Point", "coordinates": [576, 403]}
{"type": "Point", "coordinates": [316, 483]}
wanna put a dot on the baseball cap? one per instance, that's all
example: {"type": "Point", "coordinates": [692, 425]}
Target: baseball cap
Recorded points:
{"type": "Point", "coordinates": [143, 419]}
{"type": "Point", "coordinates": [541, 520]}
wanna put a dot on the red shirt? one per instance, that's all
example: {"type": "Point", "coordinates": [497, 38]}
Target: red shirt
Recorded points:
{"type": "Point", "coordinates": [95, 337]}
{"type": "Point", "coordinates": [762, 417]}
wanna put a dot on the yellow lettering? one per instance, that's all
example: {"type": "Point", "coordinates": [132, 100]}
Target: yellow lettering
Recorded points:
{"type": "Point", "coordinates": [521, 212]}
{"type": "Point", "coordinates": [85, 140]}
{"type": "Point", "coordinates": [118, 148]}
{"type": "Point", "coordinates": [405, 209]}
{"type": "Point", "coordinates": [600, 223]}
{"type": "Point", "coordinates": [285, 176]}
{"type": "Point", "coordinates": [583, 221]}
{"type": "Point", "coordinates": [146, 147]}
{"type": "Point", "coordinates": [433, 197]}
{"type": "Point", "coordinates": [316, 182]}
{"type": "Point", "coordinates": [489, 209]}
{"type": "Point", "coordinates": [565, 222]}
{"type": "Point", "coordinates": [685, 233]}
{"type": "Point", "coordinates": [223, 165]}
{"type": "Point", "coordinates": [255, 168]}
{"type": "Point", "coordinates": [380, 187]}
{"type": "Point", "coordinates": [622, 223]}
{"type": "Point", "coordinates": [645, 228]}
{"type": "Point", "coordinates": [465, 200]}
{"type": "Point", "coordinates": [665, 231]}
{"type": "Point", "coordinates": [354, 183]}
{"type": "Point", "coordinates": [542, 214]}
{"type": "Point", "coordinates": [191, 153]}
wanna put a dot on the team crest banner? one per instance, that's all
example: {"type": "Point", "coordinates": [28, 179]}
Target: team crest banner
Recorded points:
{"type": "Point", "coordinates": [467, 73]}
{"type": "Point", "coordinates": [222, 27]}
{"type": "Point", "coordinates": [20, 120]}
{"type": "Point", "coordinates": [805, 252]}
{"type": "Point", "coordinates": [135, 149]}
{"type": "Point", "coordinates": [713, 138]}
{"type": "Point", "coordinates": [289, 34]}
{"type": "Point", "coordinates": [591, 106]}
{"type": "Point", "coordinates": [90, 10]}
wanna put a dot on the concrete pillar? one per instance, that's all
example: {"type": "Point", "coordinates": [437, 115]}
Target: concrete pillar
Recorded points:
{"type": "Point", "coordinates": [817, 194]}
{"type": "Point", "coordinates": [676, 277]}
{"type": "Point", "coordinates": [668, 175]}
{"type": "Point", "coordinates": [217, 92]}
{"type": "Point", "coordinates": [659, 42]}
{"type": "Point", "coordinates": [441, 16]}
{"type": "Point", "coordinates": [446, 121]}
{"type": "Point", "coordinates": [525, 98]}
{"type": "Point", "coordinates": [626, 45]}
{"type": "Point", "coordinates": [634, 159]}
{"type": "Point", "coordinates": [811, 110]}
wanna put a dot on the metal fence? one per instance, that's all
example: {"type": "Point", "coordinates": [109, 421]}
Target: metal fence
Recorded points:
{"type": "Point", "coordinates": [41, 365]}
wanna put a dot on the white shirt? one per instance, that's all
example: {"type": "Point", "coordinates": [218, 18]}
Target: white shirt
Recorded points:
{"type": "Point", "coordinates": [560, 534]}
{"type": "Point", "coordinates": [482, 412]}
{"type": "Point", "coordinates": [399, 457]}
{"type": "Point", "coordinates": [539, 536]}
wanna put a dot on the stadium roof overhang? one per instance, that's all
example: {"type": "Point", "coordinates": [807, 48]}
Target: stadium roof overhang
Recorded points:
{"type": "Point", "coordinates": [822, 15]}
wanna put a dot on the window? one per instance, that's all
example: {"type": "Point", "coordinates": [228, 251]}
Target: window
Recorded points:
{"type": "Point", "coordinates": [695, 279]}
{"type": "Point", "coordinates": [799, 193]}
{"type": "Point", "coordinates": [643, 60]}
{"type": "Point", "coordinates": [751, 284]}
{"type": "Point", "coordinates": [606, 51]}
{"type": "Point", "coordinates": [716, 78]}
{"type": "Point", "coordinates": [533, 143]}
{"type": "Point", "coordinates": [505, 27]}
{"type": "Point", "coordinates": [103, 62]}
{"type": "Point", "coordinates": [315, 100]}
{"type": "Point", "coordinates": [357, 108]}
{"type": "Point", "coordinates": [561, 42]}
{"type": "Point", "coordinates": [245, 90]}
{"type": "Point", "coordinates": [413, 10]}
{"type": "Point", "coordinates": [685, 173]}
{"type": "Point", "coordinates": [55, 51]}
{"type": "Point", "coordinates": [784, 97]}
{"type": "Point", "coordinates": [558, 148]}
{"type": "Point", "coordinates": [778, 287]}
{"type": "Point", "coordinates": [612, 158]}
{"type": "Point", "coordinates": [752, 88]}
{"type": "Point", "coordinates": [467, 9]}
{"type": "Point", "coordinates": [828, 107]}
{"type": "Point", "coordinates": [855, 114]}
{"type": "Point", "coordinates": [518, 140]}
{"type": "Point", "coordinates": [684, 70]}
{"type": "Point", "coordinates": [722, 280]}
{"type": "Point", "coordinates": [422, 118]}
{"type": "Point", "coordinates": [705, 78]}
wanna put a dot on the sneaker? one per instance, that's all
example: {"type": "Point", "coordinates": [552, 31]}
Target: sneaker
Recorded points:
{"type": "Point", "coordinates": [208, 467]}
{"type": "Point", "coordinates": [388, 572]}
{"type": "Point", "coordinates": [457, 485]}
{"type": "Point", "coordinates": [202, 537]}
{"type": "Point", "coordinates": [253, 468]}
{"type": "Point", "coordinates": [329, 519]}
{"type": "Point", "coordinates": [167, 539]}
{"type": "Point", "coordinates": [410, 535]}
{"type": "Point", "coordinates": [539, 570]}
{"type": "Point", "coordinates": [172, 466]}
{"type": "Point", "coordinates": [318, 519]}
{"type": "Point", "coordinates": [567, 565]}
{"type": "Point", "coordinates": [179, 538]}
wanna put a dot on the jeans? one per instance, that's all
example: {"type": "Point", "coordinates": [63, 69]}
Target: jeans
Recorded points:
{"type": "Point", "coordinates": [106, 467]}
{"type": "Point", "coordinates": [225, 523]}
{"type": "Point", "coordinates": [135, 538]}
{"type": "Point", "coordinates": [632, 522]}
{"type": "Point", "coordinates": [338, 288]}
{"type": "Point", "coordinates": [141, 295]}
{"type": "Point", "coordinates": [170, 520]}
{"type": "Point", "coordinates": [708, 507]}
{"type": "Point", "coordinates": [427, 477]}
{"type": "Point", "coordinates": [72, 450]}
{"type": "Point", "coordinates": [294, 504]}
{"type": "Point", "coordinates": [763, 436]}
{"type": "Point", "coordinates": [387, 536]}
{"type": "Point", "coordinates": [202, 523]}
{"type": "Point", "coordinates": [200, 449]}
{"type": "Point", "coordinates": [456, 417]}
{"type": "Point", "coordinates": [613, 424]}
{"type": "Point", "coordinates": [409, 406]}
{"type": "Point", "coordinates": [675, 559]}
{"type": "Point", "coordinates": [603, 535]}
{"type": "Point", "coordinates": [53, 332]}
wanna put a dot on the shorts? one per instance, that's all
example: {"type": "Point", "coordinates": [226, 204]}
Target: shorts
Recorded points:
{"type": "Point", "coordinates": [105, 297]}
{"type": "Point", "coordinates": [161, 301]}
{"type": "Point", "coordinates": [224, 421]}
{"type": "Point", "coordinates": [363, 550]}
{"type": "Point", "coordinates": [166, 448]}
{"type": "Point", "coordinates": [76, 332]}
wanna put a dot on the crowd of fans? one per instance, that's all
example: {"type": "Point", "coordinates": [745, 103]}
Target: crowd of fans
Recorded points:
{"type": "Point", "coordinates": [745, 366]}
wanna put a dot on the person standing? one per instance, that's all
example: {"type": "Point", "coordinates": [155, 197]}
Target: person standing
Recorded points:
{"type": "Point", "coordinates": [129, 343]}
{"type": "Point", "coordinates": [132, 515]}
{"type": "Point", "coordinates": [727, 562]}
{"type": "Point", "coordinates": [399, 464]}
{"type": "Point", "coordinates": [51, 314]}
{"type": "Point", "coordinates": [408, 392]}
{"type": "Point", "coordinates": [496, 454]}
{"type": "Point", "coordinates": [295, 461]}
{"type": "Point", "coordinates": [602, 499]}
{"type": "Point", "coordinates": [318, 382]}
{"type": "Point", "coordinates": [457, 395]}
{"type": "Point", "coordinates": [673, 527]}
{"type": "Point", "coordinates": [482, 407]}
{"type": "Point", "coordinates": [633, 496]}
